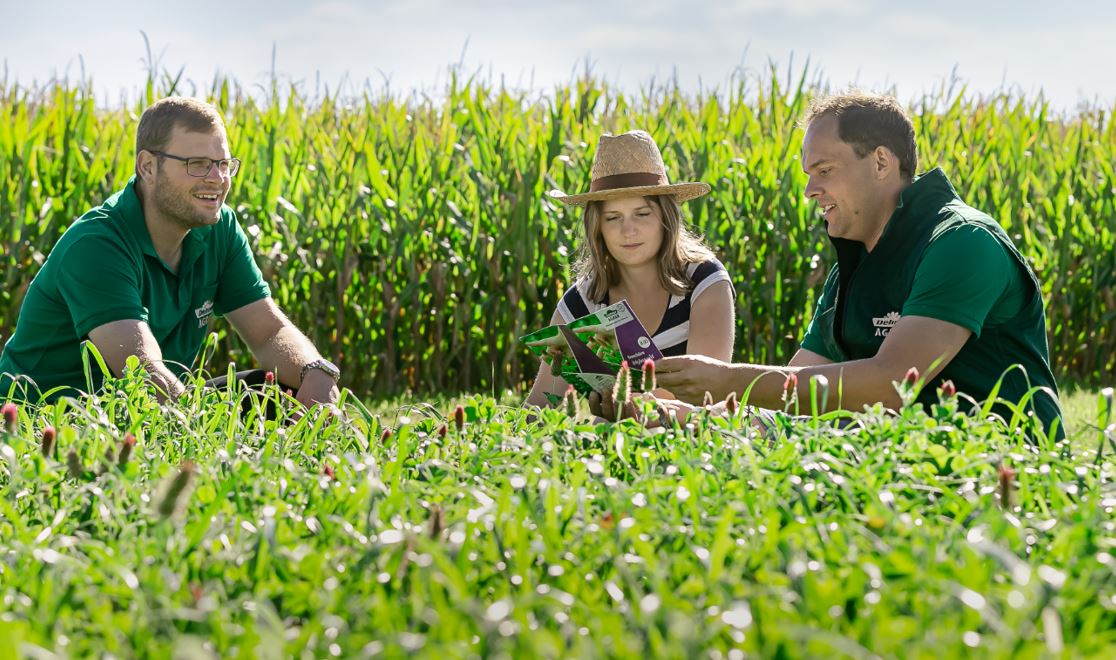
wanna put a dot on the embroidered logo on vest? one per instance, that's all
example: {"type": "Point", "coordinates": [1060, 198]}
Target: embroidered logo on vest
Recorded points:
{"type": "Point", "coordinates": [884, 324]}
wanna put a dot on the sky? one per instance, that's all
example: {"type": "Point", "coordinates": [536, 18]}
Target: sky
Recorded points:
{"type": "Point", "coordinates": [1065, 49]}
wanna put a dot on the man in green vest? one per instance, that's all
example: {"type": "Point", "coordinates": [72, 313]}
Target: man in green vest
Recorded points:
{"type": "Point", "coordinates": [922, 280]}
{"type": "Point", "coordinates": [143, 273]}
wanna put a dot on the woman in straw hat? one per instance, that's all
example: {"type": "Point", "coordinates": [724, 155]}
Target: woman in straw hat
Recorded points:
{"type": "Point", "coordinates": [636, 247]}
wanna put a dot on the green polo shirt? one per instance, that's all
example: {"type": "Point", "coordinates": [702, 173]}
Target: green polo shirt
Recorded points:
{"type": "Point", "coordinates": [942, 259]}
{"type": "Point", "coordinates": [104, 269]}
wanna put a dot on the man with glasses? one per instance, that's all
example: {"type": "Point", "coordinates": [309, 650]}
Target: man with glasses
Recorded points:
{"type": "Point", "coordinates": [143, 273]}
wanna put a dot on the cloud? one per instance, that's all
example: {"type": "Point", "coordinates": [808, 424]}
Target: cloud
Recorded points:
{"type": "Point", "coordinates": [796, 9]}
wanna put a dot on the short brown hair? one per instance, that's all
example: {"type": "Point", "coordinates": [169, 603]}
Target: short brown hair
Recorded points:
{"type": "Point", "coordinates": [679, 249]}
{"type": "Point", "coordinates": [866, 121]}
{"type": "Point", "coordinates": [161, 117]}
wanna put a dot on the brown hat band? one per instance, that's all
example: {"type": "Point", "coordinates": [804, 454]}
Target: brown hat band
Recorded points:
{"type": "Point", "coordinates": [628, 180]}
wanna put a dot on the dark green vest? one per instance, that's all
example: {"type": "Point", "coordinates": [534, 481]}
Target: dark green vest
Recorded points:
{"type": "Point", "coordinates": [865, 293]}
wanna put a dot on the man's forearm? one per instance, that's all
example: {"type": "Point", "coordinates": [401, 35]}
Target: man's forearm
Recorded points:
{"type": "Point", "coordinates": [852, 385]}
{"type": "Point", "coordinates": [286, 353]}
{"type": "Point", "coordinates": [166, 384]}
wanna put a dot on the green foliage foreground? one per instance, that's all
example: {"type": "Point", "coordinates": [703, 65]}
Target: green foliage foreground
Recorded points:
{"type": "Point", "coordinates": [921, 534]}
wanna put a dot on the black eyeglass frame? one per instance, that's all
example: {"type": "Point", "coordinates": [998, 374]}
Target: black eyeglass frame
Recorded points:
{"type": "Point", "coordinates": [231, 165]}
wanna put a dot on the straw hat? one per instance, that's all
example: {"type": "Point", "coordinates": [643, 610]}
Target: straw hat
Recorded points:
{"type": "Point", "coordinates": [628, 165]}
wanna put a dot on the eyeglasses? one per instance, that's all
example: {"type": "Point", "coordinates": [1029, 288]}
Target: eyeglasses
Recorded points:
{"type": "Point", "coordinates": [200, 167]}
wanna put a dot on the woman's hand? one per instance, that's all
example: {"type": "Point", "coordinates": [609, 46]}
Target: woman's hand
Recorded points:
{"type": "Point", "coordinates": [605, 409]}
{"type": "Point", "coordinates": [556, 355]}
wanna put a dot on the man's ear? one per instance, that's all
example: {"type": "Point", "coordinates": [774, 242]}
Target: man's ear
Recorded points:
{"type": "Point", "coordinates": [886, 161]}
{"type": "Point", "coordinates": [146, 164]}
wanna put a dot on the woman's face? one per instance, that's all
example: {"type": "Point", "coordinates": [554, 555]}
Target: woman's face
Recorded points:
{"type": "Point", "coordinates": [632, 228]}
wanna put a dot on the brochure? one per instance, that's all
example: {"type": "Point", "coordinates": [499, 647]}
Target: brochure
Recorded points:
{"type": "Point", "coordinates": [594, 346]}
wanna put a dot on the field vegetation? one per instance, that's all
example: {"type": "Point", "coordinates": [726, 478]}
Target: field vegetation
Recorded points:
{"type": "Point", "coordinates": [416, 233]}
{"type": "Point", "coordinates": [413, 239]}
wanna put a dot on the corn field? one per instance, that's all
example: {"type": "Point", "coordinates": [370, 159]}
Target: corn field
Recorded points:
{"type": "Point", "coordinates": [413, 240]}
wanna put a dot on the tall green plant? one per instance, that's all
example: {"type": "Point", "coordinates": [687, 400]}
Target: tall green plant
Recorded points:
{"type": "Point", "coordinates": [413, 239]}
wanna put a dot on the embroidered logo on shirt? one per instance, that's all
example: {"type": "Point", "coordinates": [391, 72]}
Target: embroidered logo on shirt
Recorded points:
{"type": "Point", "coordinates": [884, 324]}
{"type": "Point", "coordinates": [204, 312]}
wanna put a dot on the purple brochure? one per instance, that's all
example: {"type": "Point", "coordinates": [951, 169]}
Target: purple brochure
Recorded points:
{"type": "Point", "coordinates": [634, 342]}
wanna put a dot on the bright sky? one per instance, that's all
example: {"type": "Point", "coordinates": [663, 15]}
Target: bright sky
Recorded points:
{"type": "Point", "coordinates": [1066, 48]}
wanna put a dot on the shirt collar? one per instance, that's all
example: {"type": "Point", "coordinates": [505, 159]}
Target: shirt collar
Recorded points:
{"type": "Point", "coordinates": [930, 190]}
{"type": "Point", "coordinates": [127, 204]}
{"type": "Point", "coordinates": [931, 184]}
{"type": "Point", "coordinates": [932, 187]}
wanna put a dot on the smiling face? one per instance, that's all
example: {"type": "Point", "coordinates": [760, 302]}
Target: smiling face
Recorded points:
{"type": "Point", "coordinates": [185, 200]}
{"type": "Point", "coordinates": [855, 195]}
{"type": "Point", "coordinates": [632, 229]}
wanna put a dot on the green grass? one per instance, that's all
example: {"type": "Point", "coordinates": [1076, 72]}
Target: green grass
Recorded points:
{"type": "Point", "coordinates": [420, 229]}
{"type": "Point", "coordinates": [1079, 408]}
{"type": "Point", "coordinates": [551, 538]}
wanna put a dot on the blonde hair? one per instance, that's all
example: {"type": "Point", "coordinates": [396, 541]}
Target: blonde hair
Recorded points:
{"type": "Point", "coordinates": [679, 249]}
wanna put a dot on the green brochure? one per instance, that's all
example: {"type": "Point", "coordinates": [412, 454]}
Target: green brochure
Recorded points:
{"type": "Point", "coordinates": [594, 346]}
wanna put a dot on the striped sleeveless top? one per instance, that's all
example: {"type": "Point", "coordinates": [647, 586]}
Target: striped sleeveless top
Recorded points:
{"type": "Point", "coordinates": [673, 332]}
